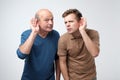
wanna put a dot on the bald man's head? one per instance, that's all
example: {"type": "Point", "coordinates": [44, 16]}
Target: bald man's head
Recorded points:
{"type": "Point", "coordinates": [42, 12]}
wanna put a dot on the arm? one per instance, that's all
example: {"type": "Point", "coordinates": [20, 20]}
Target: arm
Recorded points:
{"type": "Point", "coordinates": [27, 45]}
{"type": "Point", "coordinates": [57, 69]}
{"type": "Point", "coordinates": [63, 67]}
{"type": "Point", "coordinates": [91, 46]}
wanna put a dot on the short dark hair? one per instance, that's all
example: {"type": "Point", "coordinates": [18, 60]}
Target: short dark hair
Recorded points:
{"type": "Point", "coordinates": [77, 13]}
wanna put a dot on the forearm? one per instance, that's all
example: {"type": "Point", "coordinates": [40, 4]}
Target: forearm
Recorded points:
{"type": "Point", "coordinates": [91, 46]}
{"type": "Point", "coordinates": [64, 70]}
{"type": "Point", "coordinates": [26, 47]}
{"type": "Point", "coordinates": [57, 69]}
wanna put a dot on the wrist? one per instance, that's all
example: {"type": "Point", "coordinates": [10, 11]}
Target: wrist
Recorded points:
{"type": "Point", "coordinates": [82, 30]}
{"type": "Point", "coordinates": [34, 33]}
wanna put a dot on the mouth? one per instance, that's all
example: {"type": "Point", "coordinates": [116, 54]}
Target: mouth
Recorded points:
{"type": "Point", "coordinates": [50, 26]}
{"type": "Point", "coordinates": [68, 29]}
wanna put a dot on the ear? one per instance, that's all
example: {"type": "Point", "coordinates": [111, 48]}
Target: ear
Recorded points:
{"type": "Point", "coordinates": [81, 21]}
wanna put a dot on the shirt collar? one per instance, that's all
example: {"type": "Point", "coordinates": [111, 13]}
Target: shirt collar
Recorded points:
{"type": "Point", "coordinates": [76, 35]}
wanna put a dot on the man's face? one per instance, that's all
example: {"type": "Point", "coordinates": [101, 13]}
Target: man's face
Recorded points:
{"type": "Point", "coordinates": [71, 23]}
{"type": "Point", "coordinates": [46, 22]}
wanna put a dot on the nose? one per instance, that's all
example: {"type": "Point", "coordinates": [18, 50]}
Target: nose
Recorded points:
{"type": "Point", "coordinates": [67, 24]}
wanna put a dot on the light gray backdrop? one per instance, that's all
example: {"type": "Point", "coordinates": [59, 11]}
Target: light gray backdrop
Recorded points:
{"type": "Point", "coordinates": [102, 15]}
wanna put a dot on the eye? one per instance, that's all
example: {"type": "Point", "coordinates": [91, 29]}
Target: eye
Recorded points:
{"type": "Point", "coordinates": [46, 19]}
{"type": "Point", "coordinates": [65, 22]}
{"type": "Point", "coordinates": [51, 19]}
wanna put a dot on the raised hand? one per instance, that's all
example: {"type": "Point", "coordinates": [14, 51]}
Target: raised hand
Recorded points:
{"type": "Point", "coordinates": [34, 25]}
{"type": "Point", "coordinates": [83, 24]}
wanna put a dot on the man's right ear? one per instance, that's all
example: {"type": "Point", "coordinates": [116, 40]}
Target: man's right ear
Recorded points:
{"type": "Point", "coordinates": [37, 17]}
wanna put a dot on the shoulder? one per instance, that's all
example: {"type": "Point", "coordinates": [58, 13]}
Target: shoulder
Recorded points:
{"type": "Point", "coordinates": [26, 32]}
{"type": "Point", "coordinates": [54, 33]}
{"type": "Point", "coordinates": [92, 31]}
{"type": "Point", "coordinates": [64, 37]}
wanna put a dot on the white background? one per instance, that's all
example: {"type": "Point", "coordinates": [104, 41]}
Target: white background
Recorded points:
{"type": "Point", "coordinates": [102, 15]}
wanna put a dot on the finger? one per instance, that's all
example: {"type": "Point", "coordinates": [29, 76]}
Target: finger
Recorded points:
{"type": "Point", "coordinates": [33, 20]}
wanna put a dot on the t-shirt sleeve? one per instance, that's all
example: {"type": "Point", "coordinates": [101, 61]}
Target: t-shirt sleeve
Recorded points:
{"type": "Point", "coordinates": [95, 37]}
{"type": "Point", "coordinates": [62, 47]}
{"type": "Point", "coordinates": [24, 37]}
{"type": "Point", "coordinates": [20, 54]}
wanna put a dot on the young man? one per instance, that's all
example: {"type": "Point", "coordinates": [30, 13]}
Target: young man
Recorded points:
{"type": "Point", "coordinates": [39, 48]}
{"type": "Point", "coordinates": [77, 48]}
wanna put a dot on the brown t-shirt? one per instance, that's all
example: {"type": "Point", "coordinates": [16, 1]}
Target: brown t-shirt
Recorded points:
{"type": "Point", "coordinates": [80, 63]}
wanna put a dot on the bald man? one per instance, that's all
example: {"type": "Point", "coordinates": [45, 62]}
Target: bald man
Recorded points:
{"type": "Point", "coordinates": [38, 48]}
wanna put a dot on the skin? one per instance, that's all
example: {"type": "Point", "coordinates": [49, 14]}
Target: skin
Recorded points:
{"type": "Point", "coordinates": [77, 27]}
{"type": "Point", "coordinates": [41, 26]}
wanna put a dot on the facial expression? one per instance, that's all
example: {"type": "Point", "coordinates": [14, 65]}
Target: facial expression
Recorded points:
{"type": "Point", "coordinates": [46, 21]}
{"type": "Point", "coordinates": [71, 23]}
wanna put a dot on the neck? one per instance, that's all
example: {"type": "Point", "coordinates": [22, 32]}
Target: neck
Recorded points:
{"type": "Point", "coordinates": [76, 34]}
{"type": "Point", "coordinates": [43, 34]}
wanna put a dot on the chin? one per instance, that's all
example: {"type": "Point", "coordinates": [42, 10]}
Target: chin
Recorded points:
{"type": "Point", "coordinates": [70, 32]}
{"type": "Point", "coordinates": [49, 30]}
